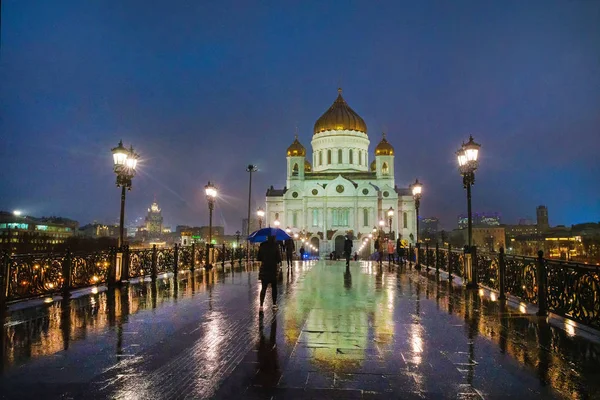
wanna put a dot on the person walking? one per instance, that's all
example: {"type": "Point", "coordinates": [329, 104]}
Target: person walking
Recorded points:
{"type": "Point", "coordinates": [390, 249]}
{"type": "Point", "coordinates": [270, 257]}
{"type": "Point", "coordinates": [348, 250]}
{"type": "Point", "coordinates": [400, 251]}
{"type": "Point", "coordinates": [302, 251]}
{"type": "Point", "coordinates": [290, 247]}
{"type": "Point", "coordinates": [377, 246]}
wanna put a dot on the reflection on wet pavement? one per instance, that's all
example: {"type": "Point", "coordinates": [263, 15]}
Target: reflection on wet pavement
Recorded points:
{"type": "Point", "coordinates": [357, 333]}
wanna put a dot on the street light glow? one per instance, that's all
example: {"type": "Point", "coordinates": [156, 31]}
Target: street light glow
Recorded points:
{"type": "Point", "coordinates": [17, 213]}
{"type": "Point", "coordinates": [277, 223]}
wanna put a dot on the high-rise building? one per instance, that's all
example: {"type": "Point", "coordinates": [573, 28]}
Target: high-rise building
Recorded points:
{"type": "Point", "coordinates": [429, 225]}
{"type": "Point", "coordinates": [542, 218]}
{"type": "Point", "coordinates": [480, 219]}
{"type": "Point", "coordinates": [154, 220]}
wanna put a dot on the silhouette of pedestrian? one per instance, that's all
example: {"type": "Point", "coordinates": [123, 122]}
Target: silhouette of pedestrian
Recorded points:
{"type": "Point", "coordinates": [270, 257]}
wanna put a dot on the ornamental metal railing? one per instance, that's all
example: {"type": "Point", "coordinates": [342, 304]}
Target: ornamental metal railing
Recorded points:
{"type": "Point", "coordinates": [26, 276]}
{"type": "Point", "coordinates": [569, 289]}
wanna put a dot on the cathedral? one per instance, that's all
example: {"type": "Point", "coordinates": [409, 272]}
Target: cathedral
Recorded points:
{"type": "Point", "coordinates": [340, 192]}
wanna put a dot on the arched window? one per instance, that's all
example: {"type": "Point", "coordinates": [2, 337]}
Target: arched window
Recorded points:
{"type": "Point", "coordinates": [405, 220]}
{"type": "Point", "coordinates": [276, 215]}
{"type": "Point", "coordinates": [365, 216]}
{"type": "Point", "coordinates": [320, 158]}
{"type": "Point", "coordinates": [295, 219]}
{"type": "Point", "coordinates": [328, 156]}
{"type": "Point", "coordinates": [351, 157]}
{"type": "Point", "coordinates": [339, 156]}
{"type": "Point", "coordinates": [385, 170]}
{"type": "Point", "coordinates": [359, 157]}
{"type": "Point", "coordinates": [295, 170]}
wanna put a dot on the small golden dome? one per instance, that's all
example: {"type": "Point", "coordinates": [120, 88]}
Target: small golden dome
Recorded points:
{"type": "Point", "coordinates": [340, 117]}
{"type": "Point", "coordinates": [373, 166]}
{"type": "Point", "coordinates": [296, 149]}
{"type": "Point", "coordinates": [307, 166]}
{"type": "Point", "coordinates": [384, 148]}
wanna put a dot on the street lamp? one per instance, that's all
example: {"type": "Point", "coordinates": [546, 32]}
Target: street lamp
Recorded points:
{"type": "Point", "coordinates": [416, 192]}
{"type": "Point", "coordinates": [260, 213]}
{"type": "Point", "coordinates": [381, 225]}
{"type": "Point", "coordinates": [125, 162]}
{"type": "Point", "coordinates": [467, 164]}
{"type": "Point", "coordinates": [390, 214]}
{"type": "Point", "coordinates": [211, 195]}
{"type": "Point", "coordinates": [250, 169]}
{"type": "Point", "coordinates": [276, 223]}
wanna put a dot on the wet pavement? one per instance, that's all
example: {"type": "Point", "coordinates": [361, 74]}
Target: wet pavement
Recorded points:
{"type": "Point", "coordinates": [366, 333]}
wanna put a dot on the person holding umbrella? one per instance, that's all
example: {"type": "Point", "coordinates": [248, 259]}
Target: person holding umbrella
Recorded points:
{"type": "Point", "coordinates": [348, 249]}
{"type": "Point", "coordinates": [270, 257]}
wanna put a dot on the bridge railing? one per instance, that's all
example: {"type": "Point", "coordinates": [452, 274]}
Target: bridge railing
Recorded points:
{"type": "Point", "coordinates": [569, 289]}
{"type": "Point", "coordinates": [26, 276]}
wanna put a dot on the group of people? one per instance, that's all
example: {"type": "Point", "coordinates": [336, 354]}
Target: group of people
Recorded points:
{"type": "Point", "coordinates": [269, 254]}
{"type": "Point", "coordinates": [399, 250]}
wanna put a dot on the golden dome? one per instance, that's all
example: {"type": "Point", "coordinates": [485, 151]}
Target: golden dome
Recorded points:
{"type": "Point", "coordinates": [296, 149]}
{"type": "Point", "coordinates": [307, 166]}
{"type": "Point", "coordinates": [384, 148]}
{"type": "Point", "coordinates": [373, 166]}
{"type": "Point", "coordinates": [340, 117]}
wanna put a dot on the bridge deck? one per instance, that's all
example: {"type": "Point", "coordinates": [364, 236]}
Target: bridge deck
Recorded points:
{"type": "Point", "coordinates": [390, 333]}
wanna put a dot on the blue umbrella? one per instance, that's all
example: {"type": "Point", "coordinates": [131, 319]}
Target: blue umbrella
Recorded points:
{"type": "Point", "coordinates": [261, 235]}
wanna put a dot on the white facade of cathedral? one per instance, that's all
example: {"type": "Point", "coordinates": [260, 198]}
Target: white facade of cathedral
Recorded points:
{"type": "Point", "coordinates": [341, 192]}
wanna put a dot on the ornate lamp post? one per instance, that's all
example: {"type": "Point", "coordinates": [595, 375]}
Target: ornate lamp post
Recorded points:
{"type": "Point", "coordinates": [250, 169]}
{"type": "Point", "coordinates": [260, 213]}
{"type": "Point", "coordinates": [416, 192]}
{"type": "Point", "coordinates": [276, 223]}
{"type": "Point", "coordinates": [125, 162]}
{"type": "Point", "coordinates": [467, 164]}
{"type": "Point", "coordinates": [211, 195]}
{"type": "Point", "coordinates": [381, 225]}
{"type": "Point", "coordinates": [390, 214]}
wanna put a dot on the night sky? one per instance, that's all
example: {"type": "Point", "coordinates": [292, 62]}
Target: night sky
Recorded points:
{"type": "Point", "coordinates": [201, 90]}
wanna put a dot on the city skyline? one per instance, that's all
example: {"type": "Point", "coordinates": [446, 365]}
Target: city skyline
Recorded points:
{"type": "Point", "coordinates": [185, 93]}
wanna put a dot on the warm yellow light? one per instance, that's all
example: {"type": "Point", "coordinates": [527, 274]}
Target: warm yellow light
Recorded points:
{"type": "Point", "coordinates": [260, 213]}
{"type": "Point", "coordinates": [277, 223]}
{"type": "Point", "coordinates": [390, 212]}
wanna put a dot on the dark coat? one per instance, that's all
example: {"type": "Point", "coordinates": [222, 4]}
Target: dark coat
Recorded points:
{"type": "Point", "coordinates": [270, 257]}
{"type": "Point", "coordinates": [348, 246]}
{"type": "Point", "coordinates": [289, 247]}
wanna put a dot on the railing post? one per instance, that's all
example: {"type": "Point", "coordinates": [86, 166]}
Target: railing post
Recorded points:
{"type": "Point", "coordinates": [542, 285]}
{"type": "Point", "coordinates": [67, 272]}
{"type": "Point", "coordinates": [472, 268]}
{"type": "Point", "coordinates": [112, 268]}
{"type": "Point", "coordinates": [126, 259]}
{"type": "Point", "coordinates": [437, 258]}
{"type": "Point", "coordinates": [193, 257]}
{"type": "Point", "coordinates": [427, 258]}
{"type": "Point", "coordinates": [223, 256]}
{"type": "Point", "coordinates": [409, 254]}
{"type": "Point", "coordinates": [4, 280]}
{"type": "Point", "coordinates": [449, 262]}
{"type": "Point", "coordinates": [154, 259]}
{"type": "Point", "coordinates": [502, 274]}
{"type": "Point", "coordinates": [175, 262]}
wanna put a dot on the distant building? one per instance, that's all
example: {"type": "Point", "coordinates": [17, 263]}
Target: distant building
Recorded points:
{"type": "Point", "coordinates": [24, 234]}
{"type": "Point", "coordinates": [96, 230]}
{"type": "Point", "coordinates": [486, 238]}
{"type": "Point", "coordinates": [154, 220]}
{"type": "Point", "coordinates": [542, 218]}
{"type": "Point", "coordinates": [479, 219]}
{"type": "Point", "coordinates": [429, 225]}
